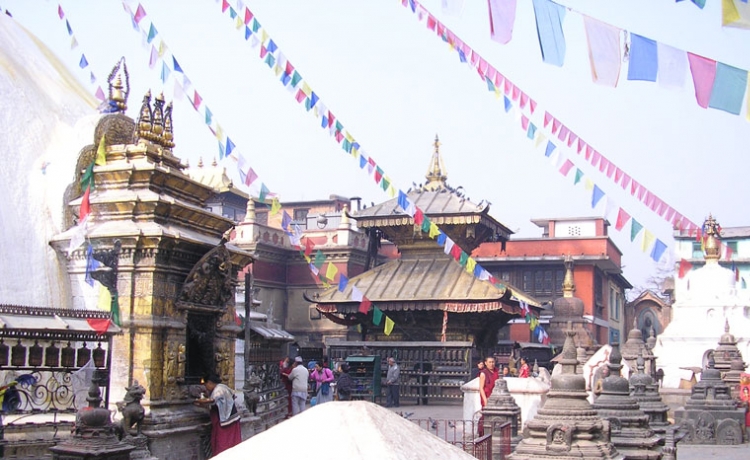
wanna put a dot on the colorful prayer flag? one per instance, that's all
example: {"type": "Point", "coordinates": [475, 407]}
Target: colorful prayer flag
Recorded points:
{"type": "Point", "coordinates": [549, 20]}
{"type": "Point", "coordinates": [704, 73]}
{"type": "Point", "coordinates": [643, 63]}
{"type": "Point", "coordinates": [331, 271]}
{"type": "Point", "coordinates": [101, 153]}
{"type": "Point", "coordinates": [377, 316]}
{"type": "Point", "coordinates": [502, 16]}
{"type": "Point", "coordinates": [389, 324]}
{"type": "Point", "coordinates": [728, 89]}
{"type": "Point", "coordinates": [604, 51]}
{"type": "Point", "coordinates": [685, 267]}
{"type": "Point", "coordinates": [364, 306]}
{"type": "Point", "coordinates": [635, 228]}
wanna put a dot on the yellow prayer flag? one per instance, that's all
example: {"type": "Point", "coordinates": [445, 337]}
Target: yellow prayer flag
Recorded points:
{"type": "Point", "coordinates": [391, 191]}
{"type": "Point", "coordinates": [729, 13]}
{"type": "Point", "coordinates": [471, 264]}
{"type": "Point", "coordinates": [388, 326]}
{"type": "Point", "coordinates": [238, 23]}
{"type": "Point", "coordinates": [434, 231]}
{"type": "Point", "coordinates": [105, 299]}
{"type": "Point", "coordinates": [263, 35]}
{"type": "Point", "coordinates": [540, 140]}
{"type": "Point", "coordinates": [162, 48]}
{"type": "Point", "coordinates": [648, 240]}
{"type": "Point", "coordinates": [498, 93]}
{"type": "Point", "coordinates": [331, 271]}
{"type": "Point", "coordinates": [308, 259]}
{"type": "Point", "coordinates": [275, 206]}
{"type": "Point", "coordinates": [306, 89]}
{"type": "Point", "coordinates": [589, 184]}
{"type": "Point", "coordinates": [219, 132]}
{"type": "Point", "coordinates": [277, 70]}
{"type": "Point", "coordinates": [101, 153]}
{"type": "Point", "coordinates": [348, 136]}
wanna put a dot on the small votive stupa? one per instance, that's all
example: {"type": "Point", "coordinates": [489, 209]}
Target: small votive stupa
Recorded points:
{"type": "Point", "coordinates": [726, 352]}
{"type": "Point", "coordinates": [634, 347]}
{"type": "Point", "coordinates": [711, 416]}
{"type": "Point", "coordinates": [566, 427]}
{"type": "Point", "coordinates": [631, 433]}
{"type": "Point", "coordinates": [501, 407]}
{"type": "Point", "coordinates": [645, 390]}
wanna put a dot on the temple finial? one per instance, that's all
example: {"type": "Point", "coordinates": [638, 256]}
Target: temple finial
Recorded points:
{"type": "Point", "coordinates": [119, 86]}
{"type": "Point", "coordinates": [168, 130]}
{"type": "Point", "coordinates": [568, 286]}
{"type": "Point", "coordinates": [712, 236]}
{"type": "Point", "coordinates": [145, 118]}
{"type": "Point", "coordinates": [158, 124]}
{"type": "Point", "coordinates": [436, 175]}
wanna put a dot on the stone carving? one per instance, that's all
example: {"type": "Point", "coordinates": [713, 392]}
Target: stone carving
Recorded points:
{"type": "Point", "coordinates": [210, 283]}
{"type": "Point", "coordinates": [131, 409]}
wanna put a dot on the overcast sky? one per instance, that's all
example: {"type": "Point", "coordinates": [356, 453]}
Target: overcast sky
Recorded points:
{"type": "Point", "coordinates": [394, 85]}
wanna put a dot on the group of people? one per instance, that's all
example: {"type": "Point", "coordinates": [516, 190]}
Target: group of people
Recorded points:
{"type": "Point", "coordinates": [524, 371]}
{"type": "Point", "coordinates": [297, 378]}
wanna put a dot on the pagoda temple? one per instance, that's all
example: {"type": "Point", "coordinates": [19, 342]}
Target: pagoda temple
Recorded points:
{"type": "Point", "coordinates": [428, 295]}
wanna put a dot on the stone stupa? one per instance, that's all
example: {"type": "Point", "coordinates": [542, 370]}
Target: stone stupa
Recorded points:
{"type": "Point", "coordinates": [726, 352]}
{"type": "Point", "coordinates": [501, 407]}
{"type": "Point", "coordinates": [711, 416]}
{"type": "Point", "coordinates": [566, 426]}
{"type": "Point", "coordinates": [634, 347]}
{"type": "Point", "coordinates": [631, 433]}
{"type": "Point", "coordinates": [645, 390]}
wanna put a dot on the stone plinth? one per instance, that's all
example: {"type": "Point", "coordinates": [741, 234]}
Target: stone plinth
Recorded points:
{"type": "Point", "coordinates": [501, 408]}
{"type": "Point", "coordinates": [566, 426]}
{"type": "Point", "coordinates": [645, 391]}
{"type": "Point", "coordinates": [711, 416]}
{"type": "Point", "coordinates": [631, 433]}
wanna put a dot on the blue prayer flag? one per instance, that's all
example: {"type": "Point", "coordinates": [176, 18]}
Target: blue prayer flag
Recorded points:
{"type": "Point", "coordinates": [313, 99]}
{"type": "Point", "coordinates": [343, 281]}
{"type": "Point", "coordinates": [461, 56]}
{"type": "Point", "coordinates": [550, 149]}
{"type": "Point", "coordinates": [285, 79]}
{"type": "Point", "coordinates": [531, 131]}
{"type": "Point", "coordinates": [362, 162]}
{"type": "Point", "coordinates": [658, 250]}
{"type": "Point", "coordinates": [248, 33]}
{"type": "Point", "coordinates": [230, 146]}
{"type": "Point", "coordinates": [596, 195]}
{"type": "Point", "coordinates": [403, 201]}
{"type": "Point", "coordinates": [643, 59]}
{"type": "Point", "coordinates": [177, 67]}
{"type": "Point", "coordinates": [91, 265]}
{"type": "Point", "coordinates": [271, 46]}
{"type": "Point", "coordinates": [83, 63]}
{"type": "Point", "coordinates": [729, 88]}
{"type": "Point", "coordinates": [442, 238]}
{"type": "Point", "coordinates": [508, 105]}
{"type": "Point", "coordinates": [549, 29]}
{"type": "Point", "coordinates": [286, 219]}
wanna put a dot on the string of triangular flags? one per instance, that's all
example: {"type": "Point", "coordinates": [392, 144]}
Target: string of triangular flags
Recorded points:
{"type": "Point", "coordinates": [247, 23]}
{"type": "Point", "coordinates": [331, 274]}
{"type": "Point", "coordinates": [516, 100]}
{"type": "Point", "coordinates": [83, 63]}
{"type": "Point", "coordinates": [717, 85]}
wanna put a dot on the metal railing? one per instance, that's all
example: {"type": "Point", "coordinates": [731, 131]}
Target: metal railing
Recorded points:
{"type": "Point", "coordinates": [463, 434]}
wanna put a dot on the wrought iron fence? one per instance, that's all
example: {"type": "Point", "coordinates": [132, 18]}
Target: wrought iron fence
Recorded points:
{"type": "Point", "coordinates": [463, 434]}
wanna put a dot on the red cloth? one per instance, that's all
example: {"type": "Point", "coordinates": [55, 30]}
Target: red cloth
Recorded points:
{"type": "Point", "coordinates": [489, 381]}
{"type": "Point", "coordinates": [524, 372]}
{"type": "Point", "coordinates": [223, 437]}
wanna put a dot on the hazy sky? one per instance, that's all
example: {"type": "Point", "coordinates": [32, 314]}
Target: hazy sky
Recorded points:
{"type": "Point", "coordinates": [393, 85]}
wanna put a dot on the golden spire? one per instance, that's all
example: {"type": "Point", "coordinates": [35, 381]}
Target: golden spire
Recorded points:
{"type": "Point", "coordinates": [144, 117]}
{"type": "Point", "coordinates": [436, 176]}
{"type": "Point", "coordinates": [712, 246]}
{"type": "Point", "coordinates": [168, 133]}
{"type": "Point", "coordinates": [158, 125]}
{"type": "Point", "coordinates": [119, 86]}
{"type": "Point", "coordinates": [568, 286]}
{"type": "Point", "coordinates": [200, 162]}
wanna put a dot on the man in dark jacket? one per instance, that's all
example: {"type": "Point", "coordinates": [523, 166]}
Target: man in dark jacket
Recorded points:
{"type": "Point", "coordinates": [344, 384]}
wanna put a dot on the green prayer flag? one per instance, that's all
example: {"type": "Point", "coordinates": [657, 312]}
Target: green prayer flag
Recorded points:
{"type": "Point", "coordinates": [256, 25]}
{"type": "Point", "coordinates": [115, 308]}
{"type": "Point", "coordinates": [377, 316]}
{"type": "Point", "coordinates": [263, 192]}
{"type": "Point", "coordinates": [385, 184]}
{"type": "Point", "coordinates": [346, 145]}
{"type": "Point", "coordinates": [579, 176]}
{"type": "Point", "coordinates": [87, 179]}
{"type": "Point", "coordinates": [270, 60]}
{"type": "Point", "coordinates": [296, 78]}
{"type": "Point", "coordinates": [635, 228]}
{"type": "Point", "coordinates": [463, 259]}
{"type": "Point", "coordinates": [339, 126]}
{"type": "Point", "coordinates": [426, 224]}
{"type": "Point", "coordinates": [319, 259]}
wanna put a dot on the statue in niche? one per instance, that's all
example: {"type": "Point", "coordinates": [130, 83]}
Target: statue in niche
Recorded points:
{"type": "Point", "coordinates": [171, 367]}
{"type": "Point", "coordinates": [210, 282]}
{"type": "Point", "coordinates": [181, 362]}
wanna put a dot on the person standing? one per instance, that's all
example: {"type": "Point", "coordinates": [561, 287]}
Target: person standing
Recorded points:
{"type": "Point", "coordinates": [525, 371]}
{"type": "Point", "coordinates": [345, 383]}
{"type": "Point", "coordinates": [477, 370]}
{"type": "Point", "coordinates": [286, 368]}
{"type": "Point", "coordinates": [487, 378]}
{"type": "Point", "coordinates": [225, 420]}
{"type": "Point", "coordinates": [299, 377]}
{"type": "Point", "coordinates": [392, 383]}
{"type": "Point", "coordinates": [322, 377]}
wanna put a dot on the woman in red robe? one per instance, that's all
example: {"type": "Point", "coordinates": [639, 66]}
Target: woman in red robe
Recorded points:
{"type": "Point", "coordinates": [225, 420]}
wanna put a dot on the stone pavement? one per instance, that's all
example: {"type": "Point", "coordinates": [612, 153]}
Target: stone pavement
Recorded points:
{"type": "Point", "coordinates": [684, 452]}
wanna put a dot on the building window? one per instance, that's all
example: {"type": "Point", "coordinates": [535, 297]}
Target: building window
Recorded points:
{"type": "Point", "coordinates": [697, 250]}
{"type": "Point", "coordinates": [614, 304]}
{"type": "Point", "coordinates": [228, 213]}
{"type": "Point", "coordinates": [528, 282]}
{"type": "Point", "coordinates": [538, 282]}
{"type": "Point", "coordinates": [598, 290]}
{"type": "Point", "coordinates": [559, 278]}
{"type": "Point", "coordinates": [574, 230]}
{"type": "Point", "coordinates": [314, 313]}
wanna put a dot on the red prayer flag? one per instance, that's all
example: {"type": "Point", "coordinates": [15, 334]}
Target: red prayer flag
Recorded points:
{"type": "Point", "coordinates": [456, 251]}
{"type": "Point", "coordinates": [515, 93]}
{"type": "Point", "coordinates": [418, 217]}
{"type": "Point", "coordinates": [140, 13]}
{"type": "Point", "coordinates": [704, 74]}
{"type": "Point", "coordinates": [634, 186]}
{"type": "Point", "coordinates": [610, 169]}
{"type": "Point", "coordinates": [224, 5]}
{"type": "Point", "coordinates": [563, 134]}
{"type": "Point", "coordinates": [524, 122]}
{"type": "Point", "coordinates": [565, 168]}
{"type": "Point", "coordinates": [581, 145]}
{"type": "Point", "coordinates": [625, 181]}
{"type": "Point", "coordinates": [572, 138]}
{"type": "Point", "coordinates": [524, 100]}
{"type": "Point", "coordinates": [248, 16]}
{"type": "Point", "coordinates": [197, 100]}
{"type": "Point", "coordinates": [555, 125]}
{"type": "Point", "coordinates": [431, 22]}
{"type": "Point", "coordinates": [300, 96]}
{"type": "Point", "coordinates": [532, 105]}
{"type": "Point", "coordinates": [595, 158]}
{"type": "Point", "coordinates": [589, 151]}
{"type": "Point", "coordinates": [60, 11]}
{"type": "Point", "coordinates": [378, 175]}
{"type": "Point", "coordinates": [85, 208]}
{"type": "Point", "coordinates": [309, 245]}
{"type": "Point", "coordinates": [100, 326]}
{"type": "Point", "coordinates": [364, 306]}
{"type": "Point", "coordinates": [622, 218]}
{"type": "Point", "coordinates": [507, 85]}
{"type": "Point", "coordinates": [685, 267]}
{"type": "Point", "coordinates": [547, 118]}
{"type": "Point", "coordinates": [603, 163]}
{"type": "Point", "coordinates": [618, 175]}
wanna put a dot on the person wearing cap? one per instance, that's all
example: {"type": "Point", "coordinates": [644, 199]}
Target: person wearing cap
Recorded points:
{"type": "Point", "coordinates": [299, 377]}
{"type": "Point", "coordinates": [225, 420]}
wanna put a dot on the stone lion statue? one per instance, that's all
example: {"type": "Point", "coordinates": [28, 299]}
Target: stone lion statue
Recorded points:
{"type": "Point", "coordinates": [131, 409]}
